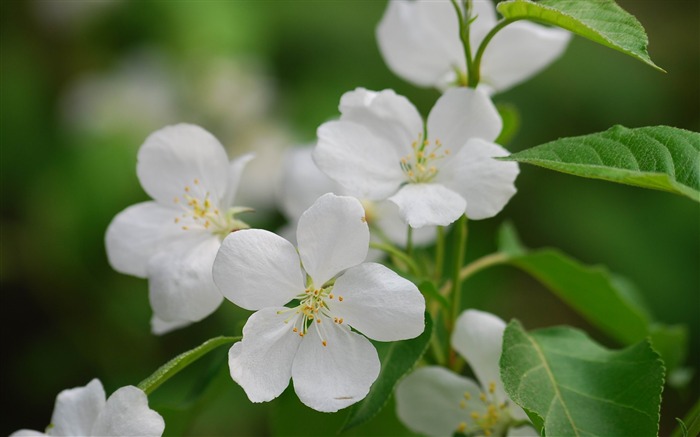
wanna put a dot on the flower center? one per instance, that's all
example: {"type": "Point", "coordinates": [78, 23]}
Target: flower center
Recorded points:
{"type": "Point", "coordinates": [200, 213]}
{"type": "Point", "coordinates": [419, 166]}
{"type": "Point", "coordinates": [492, 419]}
{"type": "Point", "coordinates": [312, 311]}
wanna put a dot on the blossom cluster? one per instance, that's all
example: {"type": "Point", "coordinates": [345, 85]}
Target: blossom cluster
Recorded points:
{"type": "Point", "coordinates": [376, 173]}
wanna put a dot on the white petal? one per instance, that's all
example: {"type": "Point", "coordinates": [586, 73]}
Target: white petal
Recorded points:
{"type": "Point", "coordinates": [385, 114]}
{"type": "Point", "coordinates": [302, 183]}
{"type": "Point", "coordinates": [387, 220]}
{"type": "Point", "coordinates": [262, 362]}
{"type": "Point", "coordinates": [461, 114]}
{"type": "Point", "coordinates": [328, 378]}
{"type": "Point", "coordinates": [332, 236]}
{"type": "Point", "coordinates": [137, 233]}
{"type": "Point", "coordinates": [485, 13]}
{"type": "Point", "coordinates": [419, 41]}
{"type": "Point", "coordinates": [256, 269]}
{"type": "Point", "coordinates": [27, 433]}
{"type": "Point", "coordinates": [485, 183]}
{"type": "Point", "coordinates": [174, 157]}
{"type": "Point", "coordinates": [180, 280]}
{"type": "Point", "coordinates": [126, 413]}
{"type": "Point", "coordinates": [379, 303]}
{"type": "Point", "coordinates": [365, 164]}
{"type": "Point", "coordinates": [428, 401]}
{"type": "Point", "coordinates": [520, 51]}
{"type": "Point", "coordinates": [235, 171]}
{"type": "Point", "coordinates": [77, 409]}
{"type": "Point", "coordinates": [478, 338]}
{"type": "Point", "coordinates": [160, 327]}
{"type": "Point", "coordinates": [428, 205]}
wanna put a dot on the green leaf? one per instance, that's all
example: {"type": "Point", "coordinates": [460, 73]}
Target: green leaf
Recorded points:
{"type": "Point", "coordinates": [601, 21]}
{"type": "Point", "coordinates": [172, 367]}
{"type": "Point", "coordinates": [659, 157]}
{"type": "Point", "coordinates": [578, 387]}
{"type": "Point", "coordinates": [588, 290]}
{"type": "Point", "coordinates": [429, 290]}
{"type": "Point", "coordinates": [690, 425]}
{"type": "Point", "coordinates": [608, 301]}
{"type": "Point", "coordinates": [398, 358]}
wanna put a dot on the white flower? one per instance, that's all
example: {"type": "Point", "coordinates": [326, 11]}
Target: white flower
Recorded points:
{"type": "Point", "coordinates": [303, 182]}
{"type": "Point", "coordinates": [437, 402]}
{"type": "Point", "coordinates": [378, 149]}
{"type": "Point", "coordinates": [311, 341]}
{"type": "Point", "coordinates": [173, 240]}
{"type": "Point", "coordinates": [420, 42]}
{"type": "Point", "coordinates": [83, 411]}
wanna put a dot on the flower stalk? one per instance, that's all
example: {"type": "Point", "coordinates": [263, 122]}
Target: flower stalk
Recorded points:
{"type": "Point", "coordinates": [172, 367]}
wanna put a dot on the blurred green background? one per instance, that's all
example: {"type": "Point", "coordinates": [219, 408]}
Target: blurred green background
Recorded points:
{"type": "Point", "coordinates": [84, 82]}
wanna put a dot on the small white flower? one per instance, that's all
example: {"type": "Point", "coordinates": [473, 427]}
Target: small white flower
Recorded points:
{"type": "Point", "coordinates": [173, 240]}
{"type": "Point", "coordinates": [311, 341]}
{"type": "Point", "coordinates": [303, 182]}
{"type": "Point", "coordinates": [420, 42]}
{"type": "Point", "coordinates": [437, 402]}
{"type": "Point", "coordinates": [83, 411]}
{"type": "Point", "coordinates": [379, 149]}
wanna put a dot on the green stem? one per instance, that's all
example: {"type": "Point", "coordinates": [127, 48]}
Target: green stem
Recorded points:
{"type": "Point", "coordinates": [172, 367]}
{"type": "Point", "coordinates": [478, 265]}
{"type": "Point", "coordinates": [464, 24]}
{"type": "Point", "coordinates": [391, 250]}
{"type": "Point", "coordinates": [475, 74]}
{"type": "Point", "coordinates": [439, 253]}
{"type": "Point", "coordinates": [460, 246]}
{"type": "Point", "coordinates": [409, 241]}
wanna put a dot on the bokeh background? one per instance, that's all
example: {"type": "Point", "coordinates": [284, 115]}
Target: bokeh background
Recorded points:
{"type": "Point", "coordinates": [84, 82]}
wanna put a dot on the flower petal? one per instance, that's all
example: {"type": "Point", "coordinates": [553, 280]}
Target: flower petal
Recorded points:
{"type": "Point", "coordinates": [126, 413]}
{"type": "Point", "coordinates": [419, 41]}
{"type": "Point", "coordinates": [262, 362]}
{"type": "Point", "coordinates": [484, 12]}
{"type": "Point", "coordinates": [174, 157]}
{"type": "Point", "coordinates": [461, 114]}
{"type": "Point", "coordinates": [520, 51]}
{"type": "Point", "coordinates": [328, 378]}
{"type": "Point", "coordinates": [385, 114]}
{"type": "Point", "coordinates": [235, 171]}
{"type": "Point", "coordinates": [333, 235]}
{"type": "Point", "coordinates": [485, 183]}
{"type": "Point", "coordinates": [160, 327]}
{"type": "Point", "coordinates": [77, 409]}
{"type": "Point", "coordinates": [137, 233]}
{"type": "Point", "coordinates": [365, 164]}
{"type": "Point", "coordinates": [428, 205]}
{"type": "Point", "coordinates": [27, 433]}
{"type": "Point", "coordinates": [180, 280]}
{"type": "Point", "coordinates": [478, 338]}
{"type": "Point", "coordinates": [379, 303]}
{"type": "Point", "coordinates": [388, 222]}
{"type": "Point", "coordinates": [302, 183]}
{"type": "Point", "coordinates": [429, 401]}
{"type": "Point", "coordinates": [256, 269]}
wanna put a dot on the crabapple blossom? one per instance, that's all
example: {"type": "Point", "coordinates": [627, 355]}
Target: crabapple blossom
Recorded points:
{"type": "Point", "coordinates": [420, 42]}
{"type": "Point", "coordinates": [328, 290]}
{"type": "Point", "coordinates": [437, 402]}
{"type": "Point", "coordinates": [83, 411]}
{"type": "Point", "coordinates": [379, 149]}
{"type": "Point", "coordinates": [303, 182]}
{"type": "Point", "coordinates": [173, 239]}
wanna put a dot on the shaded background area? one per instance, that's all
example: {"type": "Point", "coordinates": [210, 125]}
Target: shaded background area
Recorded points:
{"type": "Point", "coordinates": [83, 83]}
